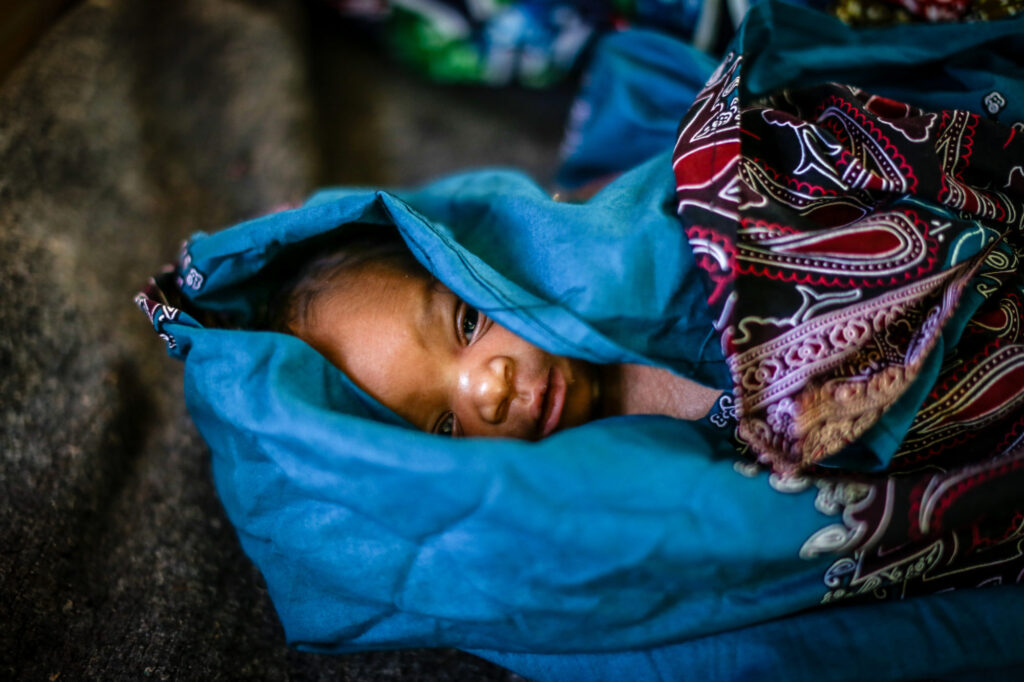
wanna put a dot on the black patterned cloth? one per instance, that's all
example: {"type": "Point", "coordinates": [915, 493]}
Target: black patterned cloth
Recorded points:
{"type": "Point", "coordinates": [863, 256]}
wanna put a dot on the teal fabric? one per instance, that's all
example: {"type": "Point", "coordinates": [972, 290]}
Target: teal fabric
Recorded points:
{"type": "Point", "coordinates": [629, 548]}
{"type": "Point", "coordinates": [638, 78]}
{"type": "Point", "coordinates": [933, 66]}
{"type": "Point", "coordinates": [371, 534]}
{"type": "Point", "coordinates": [955, 636]}
{"type": "Point", "coordinates": [478, 232]}
{"type": "Point", "coordinates": [595, 539]}
{"type": "Point", "coordinates": [637, 83]}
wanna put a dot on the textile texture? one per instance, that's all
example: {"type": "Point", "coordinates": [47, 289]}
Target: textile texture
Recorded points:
{"type": "Point", "coordinates": [637, 543]}
{"type": "Point", "coordinates": [864, 257]}
{"type": "Point", "coordinates": [846, 236]}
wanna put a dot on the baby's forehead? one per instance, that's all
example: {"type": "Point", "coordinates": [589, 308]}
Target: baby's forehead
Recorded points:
{"type": "Point", "coordinates": [381, 298]}
{"type": "Point", "coordinates": [387, 329]}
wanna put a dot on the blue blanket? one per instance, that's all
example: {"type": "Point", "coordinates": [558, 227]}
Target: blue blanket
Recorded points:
{"type": "Point", "coordinates": [629, 548]}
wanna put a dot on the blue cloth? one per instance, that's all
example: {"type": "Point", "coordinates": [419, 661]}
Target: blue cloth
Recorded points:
{"type": "Point", "coordinates": [480, 238]}
{"type": "Point", "coordinates": [955, 636]}
{"type": "Point", "coordinates": [637, 84]}
{"type": "Point", "coordinates": [371, 534]}
{"type": "Point", "coordinates": [932, 66]}
{"type": "Point", "coordinates": [629, 548]}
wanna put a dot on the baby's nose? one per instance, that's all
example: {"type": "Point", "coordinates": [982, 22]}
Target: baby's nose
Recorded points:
{"type": "Point", "coordinates": [490, 388]}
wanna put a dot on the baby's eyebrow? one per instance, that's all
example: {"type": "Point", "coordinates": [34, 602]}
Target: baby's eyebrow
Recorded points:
{"type": "Point", "coordinates": [426, 320]}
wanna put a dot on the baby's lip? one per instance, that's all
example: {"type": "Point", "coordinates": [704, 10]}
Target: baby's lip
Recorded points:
{"type": "Point", "coordinates": [552, 401]}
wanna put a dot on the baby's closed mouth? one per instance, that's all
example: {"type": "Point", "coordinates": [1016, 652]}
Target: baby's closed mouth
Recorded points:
{"type": "Point", "coordinates": [552, 403]}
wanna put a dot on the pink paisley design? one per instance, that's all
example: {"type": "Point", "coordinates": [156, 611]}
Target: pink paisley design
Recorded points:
{"type": "Point", "coordinates": [863, 139]}
{"type": "Point", "coordinates": [825, 206]}
{"type": "Point", "coordinates": [884, 248]}
{"type": "Point", "coordinates": [955, 146]}
{"type": "Point", "coordinates": [788, 374]}
{"type": "Point", "coordinates": [828, 207]}
{"type": "Point", "coordinates": [715, 255]}
{"type": "Point", "coordinates": [847, 238]}
{"type": "Point", "coordinates": [707, 148]}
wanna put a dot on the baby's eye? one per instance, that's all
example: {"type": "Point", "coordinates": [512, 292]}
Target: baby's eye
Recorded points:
{"type": "Point", "coordinates": [446, 427]}
{"type": "Point", "coordinates": [469, 323]}
{"type": "Point", "coordinates": [470, 319]}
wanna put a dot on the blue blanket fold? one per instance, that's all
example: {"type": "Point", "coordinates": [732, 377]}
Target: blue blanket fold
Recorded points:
{"type": "Point", "coordinates": [628, 548]}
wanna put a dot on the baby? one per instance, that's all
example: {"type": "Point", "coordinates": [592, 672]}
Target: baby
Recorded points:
{"type": "Point", "coordinates": [445, 367]}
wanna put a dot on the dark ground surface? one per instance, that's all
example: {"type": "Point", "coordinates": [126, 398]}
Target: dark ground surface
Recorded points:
{"type": "Point", "coordinates": [130, 125]}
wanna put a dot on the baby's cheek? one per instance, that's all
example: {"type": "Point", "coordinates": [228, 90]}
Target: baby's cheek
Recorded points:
{"type": "Point", "coordinates": [582, 398]}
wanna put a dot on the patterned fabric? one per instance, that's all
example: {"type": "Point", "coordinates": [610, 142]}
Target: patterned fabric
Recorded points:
{"type": "Point", "coordinates": [904, 536]}
{"type": "Point", "coordinates": [936, 10]}
{"type": "Point", "coordinates": [870, 12]}
{"type": "Point", "coordinates": [864, 258]}
{"type": "Point", "coordinates": [994, 9]}
{"type": "Point", "coordinates": [845, 236]}
{"type": "Point", "coordinates": [883, 12]}
{"type": "Point", "coordinates": [632, 546]}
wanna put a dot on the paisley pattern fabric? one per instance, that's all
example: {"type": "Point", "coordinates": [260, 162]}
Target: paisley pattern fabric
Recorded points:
{"type": "Point", "coordinates": [904, 536]}
{"type": "Point", "coordinates": [863, 258]}
{"type": "Point", "coordinates": [848, 239]}
{"type": "Point", "coordinates": [884, 12]}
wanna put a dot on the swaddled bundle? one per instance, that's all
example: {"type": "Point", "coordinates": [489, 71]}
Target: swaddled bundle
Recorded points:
{"type": "Point", "coordinates": [639, 531]}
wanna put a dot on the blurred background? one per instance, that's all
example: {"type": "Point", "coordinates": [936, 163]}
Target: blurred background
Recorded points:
{"type": "Point", "coordinates": [124, 127]}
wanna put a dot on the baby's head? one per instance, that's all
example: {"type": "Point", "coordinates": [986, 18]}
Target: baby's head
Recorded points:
{"type": "Point", "coordinates": [406, 339]}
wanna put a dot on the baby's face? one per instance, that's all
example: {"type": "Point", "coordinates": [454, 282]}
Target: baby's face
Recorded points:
{"type": "Point", "coordinates": [442, 365]}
